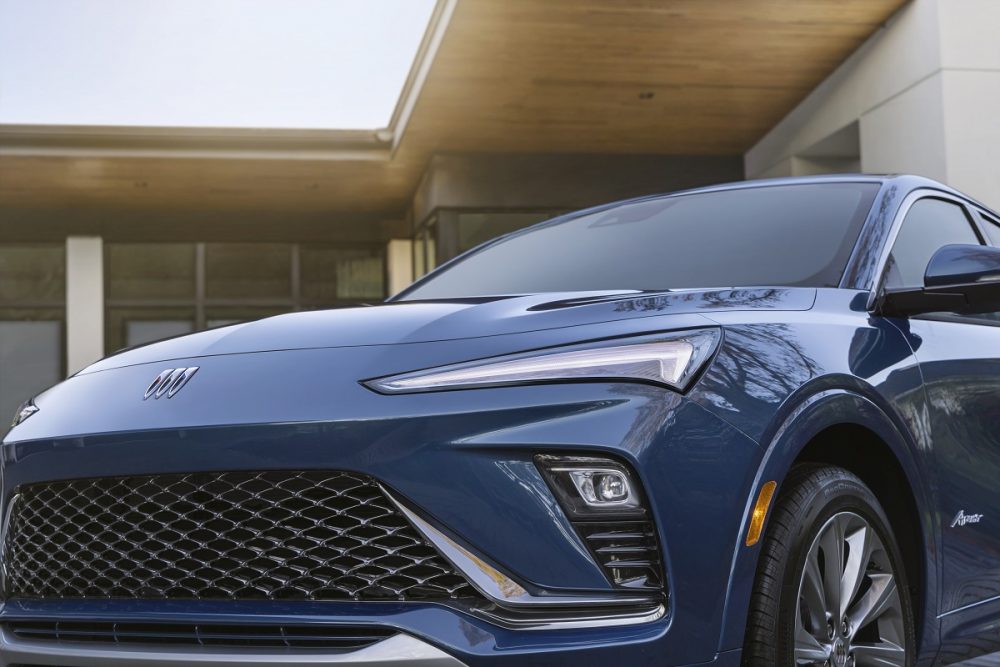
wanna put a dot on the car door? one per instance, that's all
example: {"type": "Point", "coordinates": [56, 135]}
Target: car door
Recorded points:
{"type": "Point", "coordinates": [959, 357]}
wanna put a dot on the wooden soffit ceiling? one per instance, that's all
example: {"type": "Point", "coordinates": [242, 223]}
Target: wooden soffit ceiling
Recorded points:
{"type": "Point", "coordinates": [535, 76]}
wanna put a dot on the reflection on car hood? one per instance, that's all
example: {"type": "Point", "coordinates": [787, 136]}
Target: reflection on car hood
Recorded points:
{"type": "Point", "coordinates": [419, 322]}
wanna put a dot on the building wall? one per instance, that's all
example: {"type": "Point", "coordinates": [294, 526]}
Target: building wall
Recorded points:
{"type": "Point", "coordinates": [924, 94]}
{"type": "Point", "coordinates": [560, 182]}
{"type": "Point", "coordinates": [970, 55]}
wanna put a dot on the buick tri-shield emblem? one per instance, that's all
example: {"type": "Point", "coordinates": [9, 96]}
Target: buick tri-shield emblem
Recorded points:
{"type": "Point", "coordinates": [169, 382]}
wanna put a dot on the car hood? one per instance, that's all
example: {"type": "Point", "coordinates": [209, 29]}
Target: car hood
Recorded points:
{"type": "Point", "coordinates": [423, 322]}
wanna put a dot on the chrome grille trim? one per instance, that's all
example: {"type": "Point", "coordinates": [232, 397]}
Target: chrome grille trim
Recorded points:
{"type": "Point", "coordinates": [500, 588]}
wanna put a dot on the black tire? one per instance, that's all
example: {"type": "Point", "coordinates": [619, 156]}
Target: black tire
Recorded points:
{"type": "Point", "coordinates": [813, 498]}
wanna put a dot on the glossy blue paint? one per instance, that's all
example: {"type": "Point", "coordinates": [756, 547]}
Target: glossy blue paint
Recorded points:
{"type": "Point", "coordinates": [286, 393]}
{"type": "Point", "coordinates": [961, 264]}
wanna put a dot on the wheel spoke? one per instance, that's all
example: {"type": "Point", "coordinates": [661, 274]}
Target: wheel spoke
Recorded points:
{"type": "Point", "coordinates": [812, 592]}
{"type": "Point", "coordinates": [808, 650]}
{"type": "Point", "coordinates": [880, 596]}
{"type": "Point", "coordinates": [860, 543]}
{"type": "Point", "coordinates": [832, 544]}
{"type": "Point", "coordinates": [882, 654]}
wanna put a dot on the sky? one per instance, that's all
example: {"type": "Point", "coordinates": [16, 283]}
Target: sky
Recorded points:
{"type": "Point", "coordinates": [207, 63]}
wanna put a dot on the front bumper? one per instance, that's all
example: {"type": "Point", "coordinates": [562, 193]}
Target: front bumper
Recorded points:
{"type": "Point", "coordinates": [397, 651]}
{"type": "Point", "coordinates": [464, 459]}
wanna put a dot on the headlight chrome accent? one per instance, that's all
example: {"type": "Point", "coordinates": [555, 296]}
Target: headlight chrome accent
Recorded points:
{"type": "Point", "coordinates": [670, 360]}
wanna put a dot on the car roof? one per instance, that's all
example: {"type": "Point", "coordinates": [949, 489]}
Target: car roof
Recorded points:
{"type": "Point", "coordinates": [905, 182]}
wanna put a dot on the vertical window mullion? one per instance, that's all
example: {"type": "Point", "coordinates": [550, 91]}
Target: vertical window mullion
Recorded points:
{"type": "Point", "coordinates": [199, 286]}
{"type": "Point", "coordinates": [296, 277]}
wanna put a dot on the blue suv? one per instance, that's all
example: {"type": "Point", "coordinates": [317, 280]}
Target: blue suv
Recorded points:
{"type": "Point", "coordinates": [752, 424]}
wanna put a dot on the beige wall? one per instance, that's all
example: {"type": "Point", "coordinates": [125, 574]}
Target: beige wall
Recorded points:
{"type": "Point", "coordinates": [924, 92]}
{"type": "Point", "coordinates": [84, 301]}
{"type": "Point", "coordinates": [906, 132]}
{"type": "Point", "coordinates": [972, 130]}
{"type": "Point", "coordinates": [398, 265]}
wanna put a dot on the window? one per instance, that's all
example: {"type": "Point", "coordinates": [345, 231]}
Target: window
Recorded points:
{"type": "Point", "coordinates": [992, 227]}
{"type": "Point", "coordinates": [425, 248]}
{"type": "Point", "coordinates": [929, 225]}
{"type": "Point", "coordinates": [144, 271]}
{"type": "Point", "coordinates": [248, 271]}
{"type": "Point", "coordinates": [773, 235]}
{"type": "Point", "coordinates": [32, 316]}
{"type": "Point", "coordinates": [334, 274]}
{"type": "Point", "coordinates": [158, 290]}
{"type": "Point", "coordinates": [451, 232]}
{"type": "Point", "coordinates": [477, 228]}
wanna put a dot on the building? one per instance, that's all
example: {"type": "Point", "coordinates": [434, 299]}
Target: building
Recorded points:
{"type": "Point", "coordinates": [514, 111]}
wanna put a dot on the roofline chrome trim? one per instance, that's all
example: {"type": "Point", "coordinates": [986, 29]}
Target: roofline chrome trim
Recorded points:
{"type": "Point", "coordinates": [400, 650]}
{"type": "Point", "coordinates": [502, 589]}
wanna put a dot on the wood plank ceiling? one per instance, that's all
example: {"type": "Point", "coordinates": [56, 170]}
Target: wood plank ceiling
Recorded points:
{"type": "Point", "coordinates": [537, 76]}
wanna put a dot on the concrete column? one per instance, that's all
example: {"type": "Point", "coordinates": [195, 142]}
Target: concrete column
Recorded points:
{"type": "Point", "coordinates": [84, 301]}
{"type": "Point", "coordinates": [924, 93]}
{"type": "Point", "coordinates": [905, 134]}
{"type": "Point", "coordinates": [399, 265]}
{"type": "Point", "coordinates": [970, 54]}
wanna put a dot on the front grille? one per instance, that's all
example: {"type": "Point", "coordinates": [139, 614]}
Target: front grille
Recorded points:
{"type": "Point", "coordinates": [628, 551]}
{"type": "Point", "coordinates": [222, 636]}
{"type": "Point", "coordinates": [220, 536]}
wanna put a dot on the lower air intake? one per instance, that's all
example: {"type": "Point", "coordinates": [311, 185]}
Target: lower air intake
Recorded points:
{"type": "Point", "coordinates": [328, 638]}
{"type": "Point", "coordinates": [628, 551]}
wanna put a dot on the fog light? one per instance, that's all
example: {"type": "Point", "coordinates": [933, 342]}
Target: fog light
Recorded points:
{"type": "Point", "coordinates": [612, 487]}
{"type": "Point", "coordinates": [604, 500]}
{"type": "Point", "coordinates": [599, 486]}
{"type": "Point", "coordinates": [591, 486]}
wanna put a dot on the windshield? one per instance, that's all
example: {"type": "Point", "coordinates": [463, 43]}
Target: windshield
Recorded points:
{"type": "Point", "coordinates": [787, 235]}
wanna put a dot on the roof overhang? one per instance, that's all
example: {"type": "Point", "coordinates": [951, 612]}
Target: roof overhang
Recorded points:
{"type": "Point", "coordinates": [676, 77]}
{"type": "Point", "coordinates": [192, 142]}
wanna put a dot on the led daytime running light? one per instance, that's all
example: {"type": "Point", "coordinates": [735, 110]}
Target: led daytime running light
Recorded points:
{"type": "Point", "coordinates": [668, 360]}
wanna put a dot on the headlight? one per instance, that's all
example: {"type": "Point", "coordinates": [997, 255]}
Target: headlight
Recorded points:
{"type": "Point", "coordinates": [668, 360]}
{"type": "Point", "coordinates": [27, 409]}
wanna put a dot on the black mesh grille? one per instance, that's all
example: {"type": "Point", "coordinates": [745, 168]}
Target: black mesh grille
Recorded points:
{"type": "Point", "coordinates": [184, 634]}
{"type": "Point", "coordinates": [628, 551]}
{"type": "Point", "coordinates": [228, 536]}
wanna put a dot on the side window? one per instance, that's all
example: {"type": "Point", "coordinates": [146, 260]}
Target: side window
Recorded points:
{"type": "Point", "coordinates": [929, 225]}
{"type": "Point", "coordinates": [992, 227]}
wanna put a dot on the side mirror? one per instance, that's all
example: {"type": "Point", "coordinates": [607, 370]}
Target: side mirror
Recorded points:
{"type": "Point", "coordinates": [958, 279]}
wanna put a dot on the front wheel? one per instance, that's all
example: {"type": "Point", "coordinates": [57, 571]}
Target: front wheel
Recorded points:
{"type": "Point", "coordinates": [830, 587]}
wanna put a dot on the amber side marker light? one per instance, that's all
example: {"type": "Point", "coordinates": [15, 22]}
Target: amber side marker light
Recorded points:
{"type": "Point", "coordinates": [760, 512]}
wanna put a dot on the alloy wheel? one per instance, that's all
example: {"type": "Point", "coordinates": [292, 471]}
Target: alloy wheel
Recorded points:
{"type": "Point", "coordinates": [849, 612]}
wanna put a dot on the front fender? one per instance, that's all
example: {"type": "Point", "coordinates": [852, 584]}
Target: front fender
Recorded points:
{"type": "Point", "coordinates": [810, 416]}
